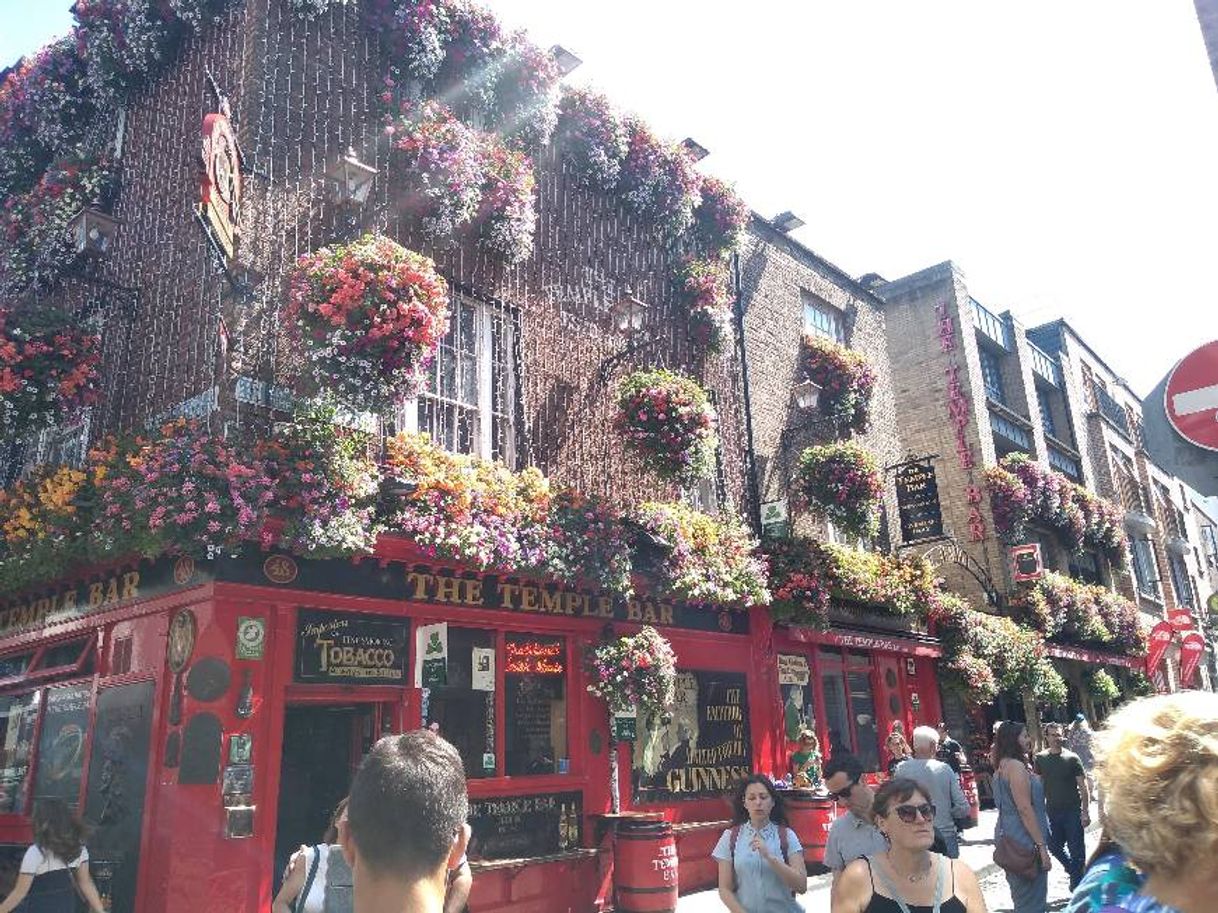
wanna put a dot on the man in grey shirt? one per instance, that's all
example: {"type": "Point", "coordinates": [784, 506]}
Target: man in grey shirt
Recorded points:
{"type": "Point", "coordinates": [942, 787]}
{"type": "Point", "coordinates": [854, 834]}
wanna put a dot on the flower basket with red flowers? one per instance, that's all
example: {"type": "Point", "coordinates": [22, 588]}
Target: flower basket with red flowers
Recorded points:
{"type": "Point", "coordinates": [842, 483]}
{"type": "Point", "coordinates": [326, 485]}
{"type": "Point", "coordinates": [668, 419]}
{"type": "Point", "coordinates": [585, 540]}
{"type": "Point", "coordinates": [704, 287]}
{"type": "Point", "coordinates": [658, 181]}
{"type": "Point", "coordinates": [508, 213]}
{"type": "Point", "coordinates": [48, 369]}
{"type": "Point", "coordinates": [846, 380]}
{"type": "Point", "coordinates": [634, 672]}
{"type": "Point", "coordinates": [368, 316]}
{"type": "Point", "coordinates": [592, 137]}
{"type": "Point", "coordinates": [721, 218]}
{"type": "Point", "coordinates": [442, 167]}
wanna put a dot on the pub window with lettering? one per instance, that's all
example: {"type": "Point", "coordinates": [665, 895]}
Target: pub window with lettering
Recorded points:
{"type": "Point", "coordinates": [464, 707]}
{"type": "Point", "coordinates": [535, 697]}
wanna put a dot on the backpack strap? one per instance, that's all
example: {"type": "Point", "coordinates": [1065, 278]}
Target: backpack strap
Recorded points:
{"type": "Point", "coordinates": [299, 905]}
{"type": "Point", "coordinates": [782, 841]}
{"type": "Point", "coordinates": [731, 852]}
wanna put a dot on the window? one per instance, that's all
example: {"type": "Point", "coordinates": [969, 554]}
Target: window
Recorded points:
{"type": "Point", "coordinates": [17, 715]}
{"type": "Point", "coordinates": [1209, 538]}
{"type": "Point", "coordinates": [1085, 566]}
{"type": "Point", "coordinates": [1182, 583]}
{"type": "Point", "coordinates": [464, 708]}
{"type": "Point", "coordinates": [850, 705]}
{"type": "Point", "coordinates": [1145, 569]}
{"type": "Point", "coordinates": [1046, 413]}
{"type": "Point", "coordinates": [535, 695]}
{"type": "Point", "coordinates": [468, 403]}
{"type": "Point", "coordinates": [991, 373]}
{"type": "Point", "coordinates": [822, 319]}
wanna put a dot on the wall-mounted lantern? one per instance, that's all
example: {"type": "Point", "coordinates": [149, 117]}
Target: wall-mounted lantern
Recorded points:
{"type": "Point", "coordinates": [628, 314]}
{"type": "Point", "coordinates": [349, 181]}
{"type": "Point", "coordinates": [806, 395]}
{"type": "Point", "coordinates": [92, 232]}
{"type": "Point", "coordinates": [566, 61]}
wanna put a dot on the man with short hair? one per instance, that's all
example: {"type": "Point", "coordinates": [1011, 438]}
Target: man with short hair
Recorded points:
{"type": "Point", "coordinates": [942, 787]}
{"type": "Point", "coordinates": [854, 834]}
{"type": "Point", "coordinates": [1067, 801]}
{"type": "Point", "coordinates": [405, 825]}
{"type": "Point", "coordinates": [950, 751]}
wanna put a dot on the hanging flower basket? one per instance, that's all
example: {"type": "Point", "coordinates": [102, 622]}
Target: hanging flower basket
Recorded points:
{"type": "Point", "coordinates": [702, 559]}
{"type": "Point", "coordinates": [1070, 612]}
{"type": "Point", "coordinates": [720, 219]}
{"type": "Point", "coordinates": [668, 420]}
{"type": "Point", "coordinates": [658, 182]}
{"type": "Point", "coordinates": [441, 166]}
{"type": "Point", "coordinates": [48, 369]}
{"type": "Point", "coordinates": [508, 211]}
{"type": "Point", "coordinates": [326, 486]}
{"type": "Point", "coordinates": [414, 36]}
{"type": "Point", "coordinates": [369, 316]}
{"type": "Point", "coordinates": [39, 526]}
{"type": "Point", "coordinates": [124, 41]}
{"type": "Point", "coordinates": [842, 483]}
{"type": "Point", "coordinates": [472, 56]}
{"type": "Point", "coordinates": [704, 287]}
{"type": "Point", "coordinates": [592, 138]}
{"type": "Point", "coordinates": [846, 379]}
{"type": "Point", "coordinates": [525, 107]}
{"type": "Point", "coordinates": [634, 672]}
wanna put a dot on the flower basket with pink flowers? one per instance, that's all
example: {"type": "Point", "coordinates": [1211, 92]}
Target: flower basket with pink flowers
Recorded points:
{"type": "Point", "coordinates": [704, 286]}
{"type": "Point", "coordinates": [634, 672]}
{"type": "Point", "coordinates": [659, 182]}
{"type": "Point", "coordinates": [368, 316]}
{"type": "Point", "coordinates": [721, 218]}
{"type": "Point", "coordinates": [525, 108]}
{"type": "Point", "coordinates": [845, 378]}
{"type": "Point", "coordinates": [667, 418]}
{"type": "Point", "coordinates": [48, 369]}
{"type": "Point", "coordinates": [842, 483]}
{"type": "Point", "coordinates": [508, 213]}
{"type": "Point", "coordinates": [592, 137]}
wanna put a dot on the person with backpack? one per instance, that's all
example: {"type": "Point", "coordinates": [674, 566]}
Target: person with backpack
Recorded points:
{"type": "Point", "coordinates": [761, 861]}
{"type": "Point", "coordinates": [56, 867]}
{"type": "Point", "coordinates": [316, 882]}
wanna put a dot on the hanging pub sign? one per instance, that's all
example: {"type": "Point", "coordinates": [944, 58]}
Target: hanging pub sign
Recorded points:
{"type": "Point", "coordinates": [702, 747]}
{"type": "Point", "coordinates": [1192, 645]}
{"type": "Point", "coordinates": [357, 649]}
{"type": "Point", "coordinates": [918, 502]}
{"type": "Point", "coordinates": [220, 182]}
{"type": "Point", "coordinates": [1160, 638]}
{"type": "Point", "coordinates": [1026, 562]}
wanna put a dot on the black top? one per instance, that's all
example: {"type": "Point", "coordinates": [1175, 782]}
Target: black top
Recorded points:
{"type": "Point", "coordinates": [51, 892]}
{"type": "Point", "coordinates": [881, 904]}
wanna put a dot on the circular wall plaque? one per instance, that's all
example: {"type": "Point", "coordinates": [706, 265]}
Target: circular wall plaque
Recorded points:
{"type": "Point", "coordinates": [182, 632]}
{"type": "Point", "coordinates": [208, 679]}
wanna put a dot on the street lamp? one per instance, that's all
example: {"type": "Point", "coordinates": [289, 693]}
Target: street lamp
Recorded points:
{"type": "Point", "coordinates": [696, 150]}
{"type": "Point", "coordinates": [787, 222]}
{"type": "Point", "coordinates": [806, 395]}
{"type": "Point", "coordinates": [92, 232]}
{"type": "Point", "coordinates": [628, 314]}
{"type": "Point", "coordinates": [564, 60]}
{"type": "Point", "coordinates": [349, 181]}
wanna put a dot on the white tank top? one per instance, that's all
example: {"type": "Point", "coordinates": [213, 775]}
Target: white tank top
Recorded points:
{"type": "Point", "coordinates": [316, 900]}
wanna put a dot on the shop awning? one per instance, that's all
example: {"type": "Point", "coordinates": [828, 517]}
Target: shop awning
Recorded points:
{"type": "Point", "coordinates": [1096, 657]}
{"type": "Point", "coordinates": [860, 640]}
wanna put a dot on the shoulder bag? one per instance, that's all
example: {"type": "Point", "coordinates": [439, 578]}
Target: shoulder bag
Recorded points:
{"type": "Point", "coordinates": [1012, 856]}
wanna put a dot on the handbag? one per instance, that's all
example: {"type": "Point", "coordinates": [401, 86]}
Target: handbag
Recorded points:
{"type": "Point", "coordinates": [1014, 857]}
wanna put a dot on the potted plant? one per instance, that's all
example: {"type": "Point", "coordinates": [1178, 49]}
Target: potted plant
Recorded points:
{"type": "Point", "coordinates": [667, 418]}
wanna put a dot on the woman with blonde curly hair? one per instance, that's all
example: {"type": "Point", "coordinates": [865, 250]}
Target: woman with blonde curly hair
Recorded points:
{"type": "Point", "coordinates": [1158, 770]}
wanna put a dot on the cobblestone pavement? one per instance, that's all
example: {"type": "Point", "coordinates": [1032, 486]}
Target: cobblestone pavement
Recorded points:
{"type": "Point", "coordinates": [977, 849]}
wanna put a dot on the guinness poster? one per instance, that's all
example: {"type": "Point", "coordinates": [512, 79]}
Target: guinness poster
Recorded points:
{"type": "Point", "coordinates": [354, 649]}
{"type": "Point", "coordinates": [61, 746]}
{"type": "Point", "coordinates": [918, 502]}
{"type": "Point", "coordinates": [703, 748]}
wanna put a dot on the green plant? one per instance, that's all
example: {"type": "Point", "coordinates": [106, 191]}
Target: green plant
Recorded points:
{"type": "Point", "coordinates": [842, 483]}
{"type": "Point", "coordinates": [1101, 685]}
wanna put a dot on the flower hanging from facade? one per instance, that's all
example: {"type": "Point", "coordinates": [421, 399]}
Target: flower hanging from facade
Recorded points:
{"type": "Point", "coordinates": [658, 181]}
{"type": "Point", "coordinates": [49, 368]}
{"type": "Point", "coordinates": [473, 53]}
{"type": "Point", "coordinates": [721, 218]}
{"type": "Point", "coordinates": [592, 137]}
{"type": "Point", "coordinates": [634, 672]}
{"type": "Point", "coordinates": [699, 558]}
{"type": "Point", "coordinates": [369, 316]}
{"type": "Point", "coordinates": [1101, 685]}
{"type": "Point", "coordinates": [585, 540]}
{"type": "Point", "coordinates": [846, 379]}
{"type": "Point", "coordinates": [842, 483]}
{"type": "Point", "coordinates": [704, 286]}
{"type": "Point", "coordinates": [1070, 612]}
{"type": "Point", "coordinates": [508, 212]}
{"type": "Point", "coordinates": [39, 526]}
{"type": "Point", "coordinates": [667, 418]}
{"type": "Point", "coordinates": [124, 42]}
{"type": "Point", "coordinates": [526, 94]}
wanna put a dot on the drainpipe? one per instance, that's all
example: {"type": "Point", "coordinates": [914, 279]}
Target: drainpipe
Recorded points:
{"type": "Point", "coordinates": [750, 456]}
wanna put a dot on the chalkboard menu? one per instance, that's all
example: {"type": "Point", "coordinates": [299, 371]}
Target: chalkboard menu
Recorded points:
{"type": "Point", "coordinates": [114, 802]}
{"type": "Point", "coordinates": [61, 746]}
{"type": "Point", "coordinates": [918, 502]}
{"type": "Point", "coordinates": [518, 827]}
{"type": "Point", "coordinates": [704, 748]}
{"type": "Point", "coordinates": [355, 649]}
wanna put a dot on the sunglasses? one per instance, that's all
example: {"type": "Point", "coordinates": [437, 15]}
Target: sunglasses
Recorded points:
{"type": "Point", "coordinates": [844, 793]}
{"type": "Point", "coordinates": [909, 813]}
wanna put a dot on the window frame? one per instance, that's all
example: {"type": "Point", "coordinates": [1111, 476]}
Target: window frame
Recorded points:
{"type": "Point", "coordinates": [1182, 582]}
{"type": "Point", "coordinates": [834, 318]}
{"type": "Point", "coordinates": [995, 387]}
{"type": "Point", "coordinates": [1145, 563]}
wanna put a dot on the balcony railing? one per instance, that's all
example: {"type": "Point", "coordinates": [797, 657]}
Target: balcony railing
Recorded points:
{"type": "Point", "coordinates": [1003, 426]}
{"type": "Point", "coordinates": [1113, 411]}
{"type": "Point", "coordinates": [993, 326]}
{"type": "Point", "coordinates": [1045, 365]}
{"type": "Point", "coordinates": [1133, 496]}
{"type": "Point", "coordinates": [1063, 462]}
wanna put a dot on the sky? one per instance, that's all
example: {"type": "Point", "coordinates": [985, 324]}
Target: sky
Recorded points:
{"type": "Point", "coordinates": [1063, 154]}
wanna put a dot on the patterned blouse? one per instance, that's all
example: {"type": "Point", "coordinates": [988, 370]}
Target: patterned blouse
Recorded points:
{"type": "Point", "coordinates": [1113, 885]}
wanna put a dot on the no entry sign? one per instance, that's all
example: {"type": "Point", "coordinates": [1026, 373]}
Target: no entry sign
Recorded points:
{"type": "Point", "coordinates": [1191, 397]}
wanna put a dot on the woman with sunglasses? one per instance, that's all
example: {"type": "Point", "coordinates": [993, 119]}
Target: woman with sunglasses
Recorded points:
{"type": "Point", "coordinates": [761, 861]}
{"type": "Point", "coordinates": [908, 877]}
{"type": "Point", "coordinates": [1019, 797]}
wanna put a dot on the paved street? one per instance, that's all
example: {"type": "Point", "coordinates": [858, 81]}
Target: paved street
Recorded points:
{"type": "Point", "coordinates": [977, 851]}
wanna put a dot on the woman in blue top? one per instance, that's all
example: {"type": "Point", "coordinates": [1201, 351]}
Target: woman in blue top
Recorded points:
{"type": "Point", "coordinates": [1020, 799]}
{"type": "Point", "coordinates": [757, 873]}
{"type": "Point", "coordinates": [56, 860]}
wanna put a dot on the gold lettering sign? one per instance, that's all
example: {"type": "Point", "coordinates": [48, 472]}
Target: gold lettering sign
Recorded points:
{"type": "Point", "coordinates": [73, 603]}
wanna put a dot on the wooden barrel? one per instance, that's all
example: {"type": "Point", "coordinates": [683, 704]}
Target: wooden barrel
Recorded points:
{"type": "Point", "coordinates": [645, 867]}
{"type": "Point", "coordinates": [968, 783]}
{"type": "Point", "coordinates": [810, 816]}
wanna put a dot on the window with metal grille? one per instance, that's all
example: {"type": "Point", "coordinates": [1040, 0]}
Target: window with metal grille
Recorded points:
{"type": "Point", "coordinates": [1145, 568]}
{"type": "Point", "coordinates": [822, 319]}
{"type": "Point", "coordinates": [991, 374]}
{"type": "Point", "coordinates": [468, 402]}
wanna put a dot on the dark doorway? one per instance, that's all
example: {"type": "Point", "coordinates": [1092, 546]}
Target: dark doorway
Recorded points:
{"type": "Point", "coordinates": [322, 747]}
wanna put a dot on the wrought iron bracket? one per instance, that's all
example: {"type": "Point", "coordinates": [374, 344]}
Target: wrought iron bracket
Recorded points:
{"type": "Point", "coordinates": [632, 348]}
{"type": "Point", "coordinates": [949, 549]}
{"type": "Point", "coordinates": [129, 295]}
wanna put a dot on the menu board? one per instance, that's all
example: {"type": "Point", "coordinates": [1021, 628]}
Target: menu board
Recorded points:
{"type": "Point", "coordinates": [517, 827]}
{"type": "Point", "coordinates": [61, 745]}
{"type": "Point", "coordinates": [354, 649]}
{"type": "Point", "coordinates": [703, 748]}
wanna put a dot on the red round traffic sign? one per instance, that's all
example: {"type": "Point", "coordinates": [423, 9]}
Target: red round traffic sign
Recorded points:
{"type": "Point", "coordinates": [1191, 396]}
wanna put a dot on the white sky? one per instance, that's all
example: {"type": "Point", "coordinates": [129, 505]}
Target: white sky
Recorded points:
{"type": "Point", "coordinates": [1064, 154]}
